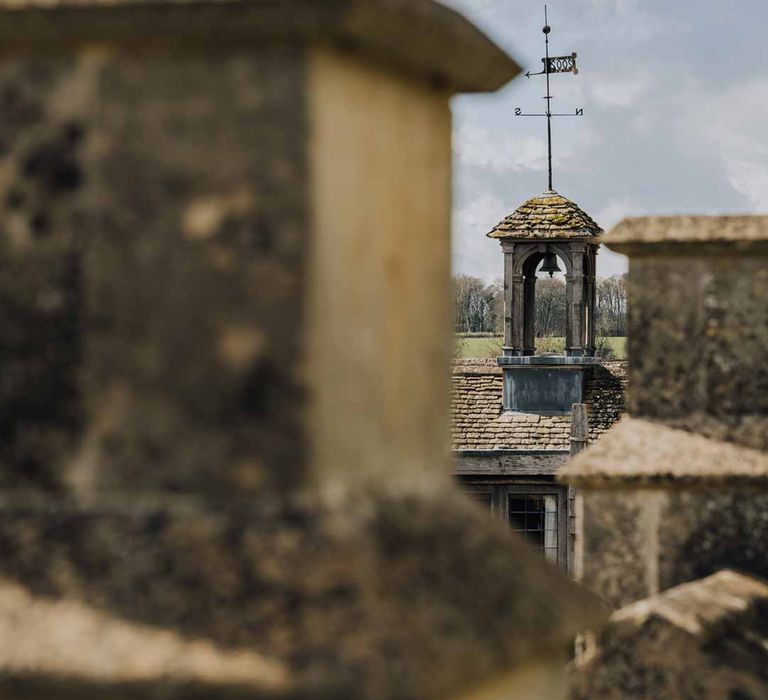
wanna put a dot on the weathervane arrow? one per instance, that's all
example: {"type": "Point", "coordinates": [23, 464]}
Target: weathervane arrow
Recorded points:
{"type": "Point", "coordinates": [552, 64]}
{"type": "Point", "coordinates": [557, 64]}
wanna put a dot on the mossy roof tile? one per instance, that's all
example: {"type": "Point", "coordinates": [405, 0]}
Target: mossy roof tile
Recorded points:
{"type": "Point", "coordinates": [548, 216]}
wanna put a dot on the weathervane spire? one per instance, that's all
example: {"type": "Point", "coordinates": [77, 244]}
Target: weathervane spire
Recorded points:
{"type": "Point", "coordinates": [554, 64]}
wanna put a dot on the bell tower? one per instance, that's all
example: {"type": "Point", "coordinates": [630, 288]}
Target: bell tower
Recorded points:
{"type": "Point", "coordinates": [538, 234]}
{"type": "Point", "coordinates": [541, 234]}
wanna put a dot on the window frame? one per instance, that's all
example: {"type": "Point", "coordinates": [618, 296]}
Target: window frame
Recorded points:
{"type": "Point", "coordinates": [499, 502]}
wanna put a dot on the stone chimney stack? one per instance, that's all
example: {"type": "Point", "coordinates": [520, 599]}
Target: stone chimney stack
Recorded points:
{"type": "Point", "coordinates": [680, 490]}
{"type": "Point", "coordinates": [226, 323]}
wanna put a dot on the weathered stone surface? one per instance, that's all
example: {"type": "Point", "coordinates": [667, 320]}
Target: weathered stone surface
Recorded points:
{"type": "Point", "coordinates": [618, 534]}
{"type": "Point", "coordinates": [690, 469]}
{"type": "Point", "coordinates": [107, 240]}
{"type": "Point", "coordinates": [217, 482]}
{"type": "Point", "coordinates": [694, 642]}
{"type": "Point", "coordinates": [360, 604]}
{"type": "Point", "coordinates": [410, 36]}
{"type": "Point", "coordinates": [664, 506]}
{"type": "Point", "coordinates": [704, 530]}
{"type": "Point", "coordinates": [548, 216]}
{"type": "Point", "coordinates": [604, 396]}
{"type": "Point", "coordinates": [509, 462]}
{"type": "Point", "coordinates": [701, 231]}
{"type": "Point", "coordinates": [681, 287]}
{"type": "Point", "coordinates": [72, 639]}
{"type": "Point", "coordinates": [638, 452]}
{"type": "Point", "coordinates": [42, 156]}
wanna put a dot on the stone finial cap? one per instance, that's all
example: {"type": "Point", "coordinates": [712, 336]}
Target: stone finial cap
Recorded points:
{"type": "Point", "coordinates": [701, 607]}
{"type": "Point", "coordinates": [736, 232]}
{"type": "Point", "coordinates": [673, 645]}
{"type": "Point", "coordinates": [549, 215]}
{"type": "Point", "coordinates": [412, 35]}
{"type": "Point", "coordinates": [645, 453]}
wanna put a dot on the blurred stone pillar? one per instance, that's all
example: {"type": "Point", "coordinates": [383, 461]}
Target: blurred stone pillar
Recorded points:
{"type": "Point", "coordinates": [699, 323]}
{"type": "Point", "coordinates": [680, 490]}
{"type": "Point", "coordinates": [226, 337]}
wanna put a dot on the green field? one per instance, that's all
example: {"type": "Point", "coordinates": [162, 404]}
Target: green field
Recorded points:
{"type": "Point", "coordinates": [491, 347]}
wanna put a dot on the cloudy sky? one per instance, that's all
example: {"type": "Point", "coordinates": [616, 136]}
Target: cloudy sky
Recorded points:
{"type": "Point", "coordinates": [675, 99]}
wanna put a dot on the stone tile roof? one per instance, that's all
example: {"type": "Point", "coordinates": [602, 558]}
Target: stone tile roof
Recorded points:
{"type": "Point", "coordinates": [478, 422]}
{"type": "Point", "coordinates": [548, 216]}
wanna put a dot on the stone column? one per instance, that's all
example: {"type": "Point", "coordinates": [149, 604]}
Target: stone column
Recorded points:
{"type": "Point", "coordinates": [529, 315]}
{"type": "Point", "coordinates": [509, 300]}
{"type": "Point", "coordinates": [575, 303]}
{"type": "Point", "coordinates": [591, 287]}
{"type": "Point", "coordinates": [518, 314]}
{"type": "Point", "coordinates": [568, 315]}
{"type": "Point", "coordinates": [680, 490]}
{"type": "Point", "coordinates": [226, 346]}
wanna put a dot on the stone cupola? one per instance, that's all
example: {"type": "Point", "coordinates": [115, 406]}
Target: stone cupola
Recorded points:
{"type": "Point", "coordinates": [548, 225]}
{"type": "Point", "coordinates": [546, 229]}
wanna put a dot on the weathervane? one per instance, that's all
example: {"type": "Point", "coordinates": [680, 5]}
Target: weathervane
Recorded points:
{"type": "Point", "coordinates": [552, 64]}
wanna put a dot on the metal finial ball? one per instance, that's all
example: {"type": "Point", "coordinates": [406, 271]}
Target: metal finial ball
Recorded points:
{"type": "Point", "coordinates": [547, 29]}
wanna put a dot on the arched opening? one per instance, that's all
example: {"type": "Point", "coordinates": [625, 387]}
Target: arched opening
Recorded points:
{"type": "Point", "coordinates": [545, 308]}
{"type": "Point", "coordinates": [525, 263]}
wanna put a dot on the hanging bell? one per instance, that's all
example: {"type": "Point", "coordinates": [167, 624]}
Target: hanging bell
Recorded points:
{"type": "Point", "coordinates": [550, 264]}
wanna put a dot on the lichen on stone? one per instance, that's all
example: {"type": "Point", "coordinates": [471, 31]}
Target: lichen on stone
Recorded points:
{"type": "Point", "coordinates": [549, 216]}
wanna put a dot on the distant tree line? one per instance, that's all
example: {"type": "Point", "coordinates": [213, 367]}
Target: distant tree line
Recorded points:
{"type": "Point", "coordinates": [480, 306]}
{"type": "Point", "coordinates": [611, 309]}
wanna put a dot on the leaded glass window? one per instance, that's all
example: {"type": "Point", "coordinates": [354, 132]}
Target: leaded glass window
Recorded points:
{"type": "Point", "coordinates": [538, 513]}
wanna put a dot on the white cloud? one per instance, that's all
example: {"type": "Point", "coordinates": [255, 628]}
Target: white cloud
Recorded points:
{"type": "Point", "coordinates": [473, 253]}
{"type": "Point", "coordinates": [608, 262]}
{"type": "Point", "coordinates": [620, 6]}
{"type": "Point", "coordinates": [498, 151]}
{"type": "Point", "coordinates": [730, 124]}
{"type": "Point", "coordinates": [616, 210]}
{"type": "Point", "coordinates": [620, 92]}
{"type": "Point", "coordinates": [750, 178]}
{"type": "Point", "coordinates": [670, 124]}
